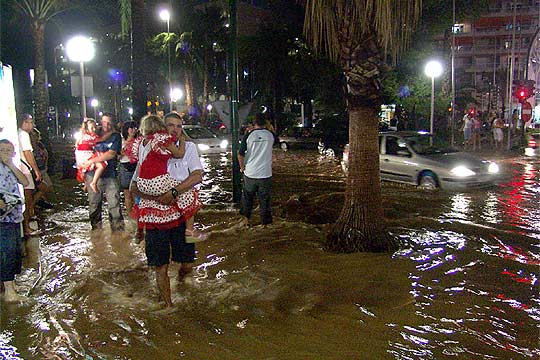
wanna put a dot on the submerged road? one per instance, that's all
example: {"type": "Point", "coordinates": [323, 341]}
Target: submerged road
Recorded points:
{"type": "Point", "coordinates": [463, 285]}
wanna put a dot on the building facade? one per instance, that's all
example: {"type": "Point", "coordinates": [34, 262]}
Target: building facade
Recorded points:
{"type": "Point", "coordinates": [483, 49]}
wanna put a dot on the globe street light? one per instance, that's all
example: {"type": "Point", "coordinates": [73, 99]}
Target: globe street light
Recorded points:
{"type": "Point", "coordinates": [166, 16]}
{"type": "Point", "coordinates": [94, 103]}
{"type": "Point", "coordinates": [81, 49]}
{"type": "Point", "coordinates": [433, 69]}
{"type": "Point", "coordinates": [176, 94]}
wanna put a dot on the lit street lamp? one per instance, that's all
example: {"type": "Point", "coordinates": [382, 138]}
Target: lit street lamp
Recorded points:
{"type": "Point", "coordinates": [81, 49]}
{"type": "Point", "coordinates": [166, 16]}
{"type": "Point", "coordinates": [433, 69]}
{"type": "Point", "coordinates": [94, 103]}
{"type": "Point", "coordinates": [175, 95]}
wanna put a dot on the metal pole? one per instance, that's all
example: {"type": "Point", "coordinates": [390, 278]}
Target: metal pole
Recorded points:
{"type": "Point", "coordinates": [169, 61]}
{"type": "Point", "coordinates": [83, 95]}
{"type": "Point", "coordinates": [453, 121]}
{"type": "Point", "coordinates": [511, 81]}
{"type": "Point", "coordinates": [432, 110]}
{"type": "Point", "coordinates": [233, 78]}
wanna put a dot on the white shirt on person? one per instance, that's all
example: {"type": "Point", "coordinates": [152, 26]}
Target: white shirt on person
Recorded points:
{"type": "Point", "coordinates": [180, 169]}
{"type": "Point", "coordinates": [24, 145]}
{"type": "Point", "coordinates": [256, 147]}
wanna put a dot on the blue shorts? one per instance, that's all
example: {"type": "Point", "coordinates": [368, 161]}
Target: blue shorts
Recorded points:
{"type": "Point", "coordinates": [10, 250]}
{"type": "Point", "coordinates": [163, 245]}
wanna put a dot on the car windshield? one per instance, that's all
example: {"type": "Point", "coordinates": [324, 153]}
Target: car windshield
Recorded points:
{"type": "Point", "coordinates": [199, 133]}
{"type": "Point", "coordinates": [421, 145]}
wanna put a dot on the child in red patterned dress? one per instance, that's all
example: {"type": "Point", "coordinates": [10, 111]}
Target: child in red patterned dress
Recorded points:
{"type": "Point", "coordinates": [84, 151]}
{"type": "Point", "coordinates": [154, 180]}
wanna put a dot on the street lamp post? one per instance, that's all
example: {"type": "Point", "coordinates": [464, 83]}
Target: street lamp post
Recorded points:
{"type": "Point", "coordinates": [166, 16]}
{"type": "Point", "coordinates": [81, 49]}
{"type": "Point", "coordinates": [433, 69]}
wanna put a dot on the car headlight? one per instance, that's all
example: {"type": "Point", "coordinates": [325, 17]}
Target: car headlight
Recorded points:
{"type": "Point", "coordinates": [223, 144]}
{"type": "Point", "coordinates": [493, 168]}
{"type": "Point", "coordinates": [203, 147]}
{"type": "Point", "coordinates": [462, 171]}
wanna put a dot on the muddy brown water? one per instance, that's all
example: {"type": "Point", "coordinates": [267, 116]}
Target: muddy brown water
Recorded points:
{"type": "Point", "coordinates": [463, 285]}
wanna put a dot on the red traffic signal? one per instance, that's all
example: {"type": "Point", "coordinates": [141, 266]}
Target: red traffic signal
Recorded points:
{"type": "Point", "coordinates": [522, 94]}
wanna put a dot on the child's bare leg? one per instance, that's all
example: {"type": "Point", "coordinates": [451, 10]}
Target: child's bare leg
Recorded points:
{"type": "Point", "coordinates": [97, 174]}
{"type": "Point", "coordinates": [189, 225]}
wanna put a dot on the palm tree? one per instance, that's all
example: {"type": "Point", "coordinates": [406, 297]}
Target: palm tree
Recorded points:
{"type": "Point", "coordinates": [359, 35]}
{"type": "Point", "coordinates": [38, 13]}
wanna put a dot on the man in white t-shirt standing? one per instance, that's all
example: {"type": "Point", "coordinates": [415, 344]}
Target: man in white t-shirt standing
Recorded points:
{"type": "Point", "coordinates": [255, 159]}
{"type": "Point", "coordinates": [28, 163]}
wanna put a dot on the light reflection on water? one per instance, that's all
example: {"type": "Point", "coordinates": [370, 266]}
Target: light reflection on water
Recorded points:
{"type": "Point", "coordinates": [464, 284]}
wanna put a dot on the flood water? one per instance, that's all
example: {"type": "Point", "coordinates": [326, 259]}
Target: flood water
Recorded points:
{"type": "Point", "coordinates": [463, 285]}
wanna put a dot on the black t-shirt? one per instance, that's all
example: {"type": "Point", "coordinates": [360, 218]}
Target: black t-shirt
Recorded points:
{"type": "Point", "coordinates": [114, 142]}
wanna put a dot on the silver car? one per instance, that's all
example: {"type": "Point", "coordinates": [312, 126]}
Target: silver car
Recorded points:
{"type": "Point", "coordinates": [408, 157]}
{"type": "Point", "coordinates": [207, 142]}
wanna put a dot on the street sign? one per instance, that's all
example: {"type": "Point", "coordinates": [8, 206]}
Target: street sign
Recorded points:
{"type": "Point", "coordinates": [526, 111]}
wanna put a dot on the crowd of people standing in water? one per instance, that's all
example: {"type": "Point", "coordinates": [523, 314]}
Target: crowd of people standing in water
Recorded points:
{"type": "Point", "coordinates": [154, 167]}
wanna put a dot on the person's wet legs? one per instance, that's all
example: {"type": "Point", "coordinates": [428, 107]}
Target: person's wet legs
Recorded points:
{"type": "Point", "coordinates": [248, 194]}
{"type": "Point", "coordinates": [95, 202]}
{"type": "Point", "coordinates": [112, 191]}
{"type": "Point", "coordinates": [264, 194]}
{"type": "Point", "coordinates": [164, 283]}
{"type": "Point", "coordinates": [10, 259]}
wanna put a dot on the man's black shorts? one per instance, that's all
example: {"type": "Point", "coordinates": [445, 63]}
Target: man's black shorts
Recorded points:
{"type": "Point", "coordinates": [164, 245]}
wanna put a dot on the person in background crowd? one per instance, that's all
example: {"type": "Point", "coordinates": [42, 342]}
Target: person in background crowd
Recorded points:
{"type": "Point", "coordinates": [109, 145]}
{"type": "Point", "coordinates": [255, 159]}
{"type": "Point", "coordinates": [497, 129]}
{"type": "Point", "coordinates": [41, 155]}
{"type": "Point", "coordinates": [467, 130]}
{"type": "Point", "coordinates": [128, 160]}
{"type": "Point", "coordinates": [28, 166]}
{"type": "Point", "coordinates": [11, 217]}
{"type": "Point", "coordinates": [477, 133]}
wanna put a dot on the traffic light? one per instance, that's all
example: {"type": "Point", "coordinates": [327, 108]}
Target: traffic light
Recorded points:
{"type": "Point", "coordinates": [471, 112]}
{"type": "Point", "coordinates": [522, 94]}
{"type": "Point", "coordinates": [524, 89]}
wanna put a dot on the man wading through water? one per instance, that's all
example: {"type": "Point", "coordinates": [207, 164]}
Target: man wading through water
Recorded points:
{"type": "Point", "coordinates": [166, 243]}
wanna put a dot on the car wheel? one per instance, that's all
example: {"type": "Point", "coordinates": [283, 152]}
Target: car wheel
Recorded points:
{"type": "Point", "coordinates": [284, 146]}
{"type": "Point", "coordinates": [428, 181]}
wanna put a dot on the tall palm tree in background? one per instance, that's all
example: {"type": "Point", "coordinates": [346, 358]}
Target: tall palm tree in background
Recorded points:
{"type": "Point", "coordinates": [133, 24]}
{"type": "Point", "coordinates": [360, 35]}
{"type": "Point", "coordinates": [38, 13]}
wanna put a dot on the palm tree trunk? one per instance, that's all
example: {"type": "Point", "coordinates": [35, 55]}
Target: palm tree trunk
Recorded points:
{"type": "Point", "coordinates": [138, 59]}
{"type": "Point", "coordinates": [40, 89]}
{"type": "Point", "coordinates": [189, 90]}
{"type": "Point", "coordinates": [205, 89]}
{"type": "Point", "coordinates": [360, 226]}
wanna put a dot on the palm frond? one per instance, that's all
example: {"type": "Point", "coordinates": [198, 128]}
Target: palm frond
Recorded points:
{"type": "Point", "coordinates": [390, 21]}
{"type": "Point", "coordinates": [125, 16]}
